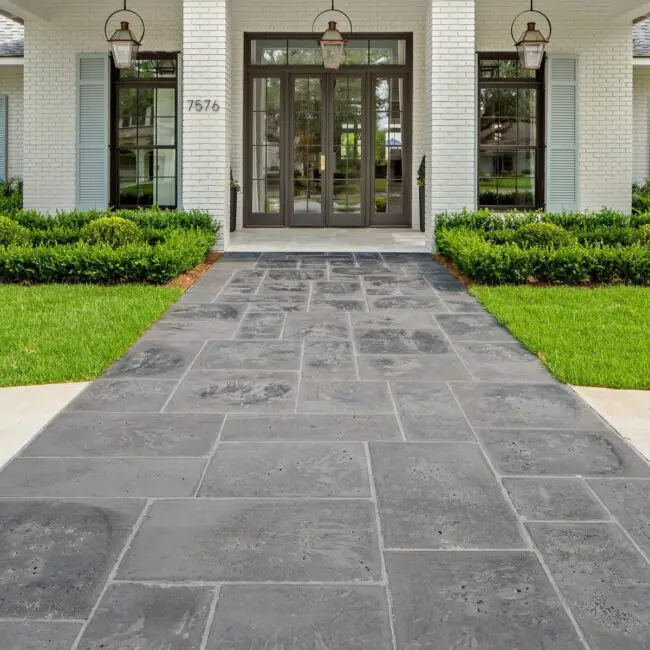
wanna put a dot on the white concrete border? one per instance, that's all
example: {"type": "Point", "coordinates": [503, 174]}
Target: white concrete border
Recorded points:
{"type": "Point", "coordinates": [628, 411]}
{"type": "Point", "coordinates": [26, 410]}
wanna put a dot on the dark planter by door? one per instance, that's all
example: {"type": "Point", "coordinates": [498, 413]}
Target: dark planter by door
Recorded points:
{"type": "Point", "coordinates": [233, 209]}
{"type": "Point", "coordinates": [422, 193]}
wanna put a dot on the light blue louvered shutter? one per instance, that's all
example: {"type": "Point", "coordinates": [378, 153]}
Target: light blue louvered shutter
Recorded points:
{"type": "Point", "coordinates": [562, 134]}
{"type": "Point", "coordinates": [93, 107]}
{"type": "Point", "coordinates": [4, 137]}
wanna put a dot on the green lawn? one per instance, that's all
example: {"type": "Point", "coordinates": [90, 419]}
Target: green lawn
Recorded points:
{"type": "Point", "coordinates": [586, 337]}
{"type": "Point", "coordinates": [60, 333]}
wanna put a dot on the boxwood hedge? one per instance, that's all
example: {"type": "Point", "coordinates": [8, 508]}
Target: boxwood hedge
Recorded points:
{"type": "Point", "coordinates": [170, 244]}
{"type": "Point", "coordinates": [603, 247]}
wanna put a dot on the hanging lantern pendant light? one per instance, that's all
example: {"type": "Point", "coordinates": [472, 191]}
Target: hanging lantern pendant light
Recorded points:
{"type": "Point", "coordinates": [332, 43]}
{"type": "Point", "coordinates": [531, 45]}
{"type": "Point", "coordinates": [124, 45]}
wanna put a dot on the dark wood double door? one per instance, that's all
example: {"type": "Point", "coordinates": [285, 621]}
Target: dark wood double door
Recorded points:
{"type": "Point", "coordinates": [328, 150]}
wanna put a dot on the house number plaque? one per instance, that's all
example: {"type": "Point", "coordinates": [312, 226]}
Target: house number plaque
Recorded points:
{"type": "Point", "coordinates": [203, 105]}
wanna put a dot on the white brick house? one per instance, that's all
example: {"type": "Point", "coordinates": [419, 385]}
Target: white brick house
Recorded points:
{"type": "Point", "coordinates": [325, 149]}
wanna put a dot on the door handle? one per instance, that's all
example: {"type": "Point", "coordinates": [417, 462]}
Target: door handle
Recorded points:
{"type": "Point", "coordinates": [323, 164]}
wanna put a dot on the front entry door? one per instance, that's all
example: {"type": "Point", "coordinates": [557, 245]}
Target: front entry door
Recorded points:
{"type": "Point", "coordinates": [328, 183]}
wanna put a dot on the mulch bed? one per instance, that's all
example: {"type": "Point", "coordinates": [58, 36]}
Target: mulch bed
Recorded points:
{"type": "Point", "coordinates": [186, 280]}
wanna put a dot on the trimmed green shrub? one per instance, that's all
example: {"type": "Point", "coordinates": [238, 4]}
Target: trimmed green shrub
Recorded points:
{"type": "Point", "coordinates": [644, 235]}
{"type": "Point", "coordinates": [545, 235]}
{"type": "Point", "coordinates": [84, 263]}
{"type": "Point", "coordinates": [112, 231]}
{"type": "Point", "coordinates": [576, 222]}
{"type": "Point", "coordinates": [12, 233]}
{"type": "Point", "coordinates": [11, 196]}
{"type": "Point", "coordinates": [508, 263]}
{"type": "Point", "coordinates": [380, 204]}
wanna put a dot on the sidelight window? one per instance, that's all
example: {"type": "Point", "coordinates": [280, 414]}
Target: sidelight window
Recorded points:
{"type": "Point", "coordinates": [510, 142]}
{"type": "Point", "coordinates": [144, 134]}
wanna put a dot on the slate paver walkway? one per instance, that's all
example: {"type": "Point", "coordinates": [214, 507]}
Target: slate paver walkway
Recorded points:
{"type": "Point", "coordinates": [326, 451]}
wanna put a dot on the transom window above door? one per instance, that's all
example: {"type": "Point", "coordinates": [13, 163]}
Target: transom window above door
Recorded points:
{"type": "Point", "coordinates": [307, 51]}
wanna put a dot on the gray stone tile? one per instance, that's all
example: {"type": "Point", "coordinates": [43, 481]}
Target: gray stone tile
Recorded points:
{"type": "Point", "coordinates": [440, 496]}
{"type": "Point", "coordinates": [604, 580]}
{"type": "Point", "coordinates": [347, 290]}
{"type": "Point", "coordinates": [275, 264]}
{"type": "Point", "coordinates": [412, 367]}
{"type": "Point", "coordinates": [302, 274]}
{"type": "Point", "coordinates": [124, 435]}
{"type": "Point", "coordinates": [325, 305]}
{"type": "Point", "coordinates": [271, 302]}
{"type": "Point", "coordinates": [462, 303]}
{"type": "Point", "coordinates": [489, 600]}
{"type": "Point", "coordinates": [401, 341]}
{"type": "Point", "coordinates": [507, 361]}
{"type": "Point", "coordinates": [378, 303]}
{"type": "Point", "coordinates": [186, 331]}
{"type": "Point", "coordinates": [226, 391]}
{"type": "Point", "coordinates": [531, 406]}
{"type": "Point", "coordinates": [249, 274]}
{"type": "Point", "coordinates": [250, 355]}
{"type": "Point", "coordinates": [284, 287]}
{"type": "Point", "coordinates": [56, 555]}
{"type": "Point", "coordinates": [565, 499]}
{"type": "Point", "coordinates": [287, 470]}
{"type": "Point", "coordinates": [235, 256]}
{"type": "Point", "coordinates": [260, 324]}
{"type": "Point", "coordinates": [402, 319]}
{"type": "Point", "coordinates": [629, 502]}
{"type": "Point", "coordinates": [148, 616]}
{"type": "Point", "coordinates": [311, 427]}
{"type": "Point", "coordinates": [315, 327]}
{"type": "Point", "coordinates": [101, 477]}
{"type": "Point", "coordinates": [24, 635]}
{"type": "Point", "coordinates": [473, 327]}
{"type": "Point", "coordinates": [393, 285]}
{"type": "Point", "coordinates": [155, 360]}
{"type": "Point", "coordinates": [344, 397]}
{"type": "Point", "coordinates": [430, 412]}
{"type": "Point", "coordinates": [329, 360]}
{"type": "Point", "coordinates": [213, 311]}
{"type": "Point", "coordinates": [292, 617]}
{"type": "Point", "coordinates": [198, 297]}
{"type": "Point", "coordinates": [124, 396]}
{"type": "Point", "coordinates": [358, 271]}
{"type": "Point", "coordinates": [255, 540]}
{"type": "Point", "coordinates": [543, 452]}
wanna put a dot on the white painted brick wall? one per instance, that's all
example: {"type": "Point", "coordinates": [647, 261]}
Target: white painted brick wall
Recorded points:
{"type": "Point", "coordinates": [451, 102]}
{"type": "Point", "coordinates": [206, 135]}
{"type": "Point", "coordinates": [11, 84]}
{"type": "Point", "coordinates": [641, 124]}
{"type": "Point", "coordinates": [604, 86]}
{"type": "Point", "coordinates": [51, 48]}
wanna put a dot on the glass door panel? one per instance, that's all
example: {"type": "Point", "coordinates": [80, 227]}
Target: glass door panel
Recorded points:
{"type": "Point", "coordinates": [308, 159]}
{"type": "Point", "coordinates": [346, 153]}
{"type": "Point", "coordinates": [266, 160]}
{"type": "Point", "coordinates": [388, 204]}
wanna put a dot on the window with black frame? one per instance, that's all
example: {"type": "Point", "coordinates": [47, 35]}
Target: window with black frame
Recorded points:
{"type": "Point", "coordinates": [144, 133]}
{"type": "Point", "coordinates": [511, 134]}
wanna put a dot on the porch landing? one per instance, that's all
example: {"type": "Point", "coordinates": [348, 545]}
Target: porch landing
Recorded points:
{"type": "Point", "coordinates": [323, 240]}
{"type": "Point", "coordinates": [326, 451]}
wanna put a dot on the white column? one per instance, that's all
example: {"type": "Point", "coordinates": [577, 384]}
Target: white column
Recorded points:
{"type": "Point", "coordinates": [206, 134]}
{"type": "Point", "coordinates": [452, 92]}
